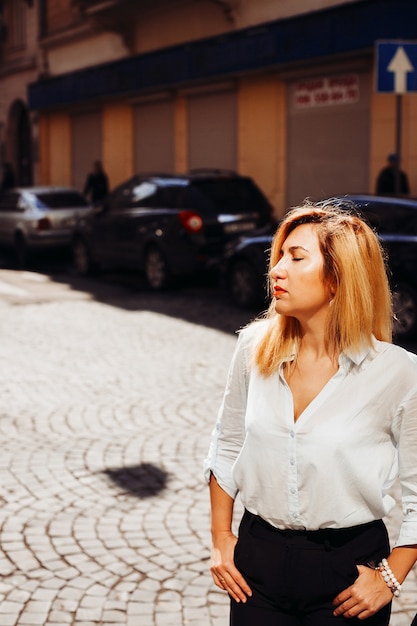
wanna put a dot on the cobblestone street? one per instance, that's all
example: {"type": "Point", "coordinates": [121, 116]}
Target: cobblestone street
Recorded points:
{"type": "Point", "coordinates": [108, 397]}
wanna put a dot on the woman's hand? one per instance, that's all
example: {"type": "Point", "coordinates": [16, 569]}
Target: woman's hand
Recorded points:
{"type": "Point", "coordinates": [368, 594]}
{"type": "Point", "coordinates": [225, 574]}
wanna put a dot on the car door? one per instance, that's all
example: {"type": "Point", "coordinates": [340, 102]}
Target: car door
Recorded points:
{"type": "Point", "coordinates": [128, 217]}
{"type": "Point", "coordinates": [118, 229]}
{"type": "Point", "coordinates": [105, 229]}
{"type": "Point", "coordinates": [139, 214]}
{"type": "Point", "coordinates": [131, 219]}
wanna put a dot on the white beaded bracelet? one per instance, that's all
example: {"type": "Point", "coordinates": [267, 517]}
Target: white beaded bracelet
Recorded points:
{"type": "Point", "coordinates": [389, 578]}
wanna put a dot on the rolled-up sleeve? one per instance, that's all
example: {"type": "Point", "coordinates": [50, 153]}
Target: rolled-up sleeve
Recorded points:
{"type": "Point", "coordinates": [229, 432]}
{"type": "Point", "coordinates": [407, 447]}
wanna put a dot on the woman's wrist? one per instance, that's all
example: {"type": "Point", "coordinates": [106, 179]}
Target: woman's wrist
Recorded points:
{"type": "Point", "coordinates": [389, 578]}
{"type": "Point", "coordinates": [215, 532]}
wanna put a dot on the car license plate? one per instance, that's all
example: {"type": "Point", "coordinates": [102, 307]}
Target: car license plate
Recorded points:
{"type": "Point", "coordinates": [238, 227]}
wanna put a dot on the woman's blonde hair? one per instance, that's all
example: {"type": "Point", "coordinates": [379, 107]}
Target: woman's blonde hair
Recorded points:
{"type": "Point", "coordinates": [354, 267]}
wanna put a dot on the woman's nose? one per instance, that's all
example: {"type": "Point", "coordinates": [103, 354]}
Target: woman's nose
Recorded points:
{"type": "Point", "coordinates": [278, 270]}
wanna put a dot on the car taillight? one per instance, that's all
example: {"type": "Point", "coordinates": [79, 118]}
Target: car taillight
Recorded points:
{"type": "Point", "coordinates": [43, 224]}
{"type": "Point", "coordinates": [191, 221]}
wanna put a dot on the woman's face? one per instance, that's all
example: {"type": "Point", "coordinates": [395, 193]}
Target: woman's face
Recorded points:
{"type": "Point", "coordinates": [297, 278]}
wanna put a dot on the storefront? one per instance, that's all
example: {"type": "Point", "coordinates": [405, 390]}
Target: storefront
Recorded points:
{"type": "Point", "coordinates": [291, 103]}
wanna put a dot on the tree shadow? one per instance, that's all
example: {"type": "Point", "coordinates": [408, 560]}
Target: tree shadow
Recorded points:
{"type": "Point", "coordinates": [144, 480]}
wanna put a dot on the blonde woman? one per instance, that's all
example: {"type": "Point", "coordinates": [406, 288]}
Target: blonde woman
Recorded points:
{"type": "Point", "coordinates": [318, 418]}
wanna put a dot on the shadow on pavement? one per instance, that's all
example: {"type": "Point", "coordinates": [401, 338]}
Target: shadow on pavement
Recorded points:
{"type": "Point", "coordinates": [200, 300]}
{"type": "Point", "coordinates": [204, 302]}
{"type": "Point", "coordinates": [144, 480]}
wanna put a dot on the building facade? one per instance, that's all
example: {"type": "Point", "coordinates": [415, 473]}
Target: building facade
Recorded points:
{"type": "Point", "coordinates": [281, 90]}
{"type": "Point", "coordinates": [19, 42]}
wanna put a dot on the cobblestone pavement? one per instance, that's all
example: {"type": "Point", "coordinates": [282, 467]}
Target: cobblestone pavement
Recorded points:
{"type": "Point", "coordinates": [108, 395]}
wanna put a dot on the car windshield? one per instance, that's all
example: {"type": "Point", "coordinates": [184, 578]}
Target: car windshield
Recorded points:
{"type": "Point", "coordinates": [231, 195]}
{"type": "Point", "coordinates": [60, 200]}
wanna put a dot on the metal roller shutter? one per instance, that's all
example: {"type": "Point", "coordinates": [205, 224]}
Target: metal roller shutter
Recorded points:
{"type": "Point", "coordinates": [86, 145]}
{"type": "Point", "coordinates": [212, 130]}
{"type": "Point", "coordinates": [154, 137]}
{"type": "Point", "coordinates": [328, 136]}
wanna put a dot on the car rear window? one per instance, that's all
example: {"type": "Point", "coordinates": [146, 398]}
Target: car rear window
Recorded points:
{"type": "Point", "coordinates": [231, 195]}
{"type": "Point", "coordinates": [61, 200]}
{"type": "Point", "coordinates": [391, 219]}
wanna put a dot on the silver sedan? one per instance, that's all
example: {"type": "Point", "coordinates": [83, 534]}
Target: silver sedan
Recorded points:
{"type": "Point", "coordinates": [36, 218]}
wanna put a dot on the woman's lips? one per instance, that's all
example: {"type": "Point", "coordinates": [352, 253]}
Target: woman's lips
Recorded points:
{"type": "Point", "coordinates": [278, 290]}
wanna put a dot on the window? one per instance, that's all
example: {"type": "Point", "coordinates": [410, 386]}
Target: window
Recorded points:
{"type": "Point", "coordinates": [142, 192]}
{"type": "Point", "coordinates": [59, 200]}
{"type": "Point", "coordinates": [227, 195]}
{"type": "Point", "coordinates": [14, 13]}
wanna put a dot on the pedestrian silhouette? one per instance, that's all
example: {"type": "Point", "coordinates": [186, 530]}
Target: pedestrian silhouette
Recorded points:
{"type": "Point", "coordinates": [391, 179]}
{"type": "Point", "coordinates": [8, 181]}
{"type": "Point", "coordinates": [96, 185]}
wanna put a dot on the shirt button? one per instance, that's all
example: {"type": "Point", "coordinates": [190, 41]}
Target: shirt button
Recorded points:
{"type": "Point", "coordinates": [292, 462]}
{"type": "Point", "coordinates": [292, 434]}
{"type": "Point", "coordinates": [292, 490]}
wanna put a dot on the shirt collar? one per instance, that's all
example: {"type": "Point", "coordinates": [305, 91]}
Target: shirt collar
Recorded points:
{"type": "Point", "coordinates": [349, 357]}
{"type": "Point", "coordinates": [358, 355]}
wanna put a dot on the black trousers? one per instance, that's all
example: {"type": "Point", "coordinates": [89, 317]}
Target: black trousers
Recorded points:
{"type": "Point", "coordinates": [295, 575]}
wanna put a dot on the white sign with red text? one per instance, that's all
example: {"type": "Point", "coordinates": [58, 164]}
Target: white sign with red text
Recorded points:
{"type": "Point", "coordinates": [319, 92]}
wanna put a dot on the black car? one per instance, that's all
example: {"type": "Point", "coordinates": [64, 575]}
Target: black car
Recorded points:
{"type": "Point", "coordinates": [169, 225]}
{"type": "Point", "coordinates": [245, 267]}
{"type": "Point", "coordinates": [395, 221]}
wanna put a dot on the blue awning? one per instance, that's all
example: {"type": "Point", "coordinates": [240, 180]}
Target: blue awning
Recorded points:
{"type": "Point", "coordinates": [351, 27]}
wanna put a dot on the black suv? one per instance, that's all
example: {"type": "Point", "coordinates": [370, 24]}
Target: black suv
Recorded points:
{"type": "Point", "coordinates": [169, 225]}
{"type": "Point", "coordinates": [395, 221]}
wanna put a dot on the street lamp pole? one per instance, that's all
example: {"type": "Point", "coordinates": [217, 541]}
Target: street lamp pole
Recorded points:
{"type": "Point", "coordinates": [398, 142]}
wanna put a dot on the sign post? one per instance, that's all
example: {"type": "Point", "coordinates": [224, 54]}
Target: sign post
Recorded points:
{"type": "Point", "coordinates": [397, 73]}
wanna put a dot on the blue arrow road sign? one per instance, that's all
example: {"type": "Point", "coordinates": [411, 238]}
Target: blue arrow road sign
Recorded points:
{"type": "Point", "coordinates": [396, 70]}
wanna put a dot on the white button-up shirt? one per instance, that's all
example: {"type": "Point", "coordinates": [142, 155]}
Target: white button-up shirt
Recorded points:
{"type": "Point", "coordinates": [333, 466]}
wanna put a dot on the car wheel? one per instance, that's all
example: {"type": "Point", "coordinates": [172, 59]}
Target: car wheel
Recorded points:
{"type": "Point", "coordinates": [405, 311]}
{"type": "Point", "coordinates": [81, 257]}
{"type": "Point", "coordinates": [156, 269]}
{"type": "Point", "coordinates": [245, 285]}
{"type": "Point", "coordinates": [21, 251]}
